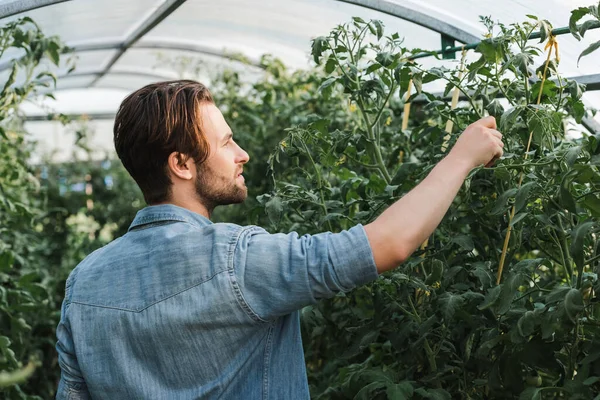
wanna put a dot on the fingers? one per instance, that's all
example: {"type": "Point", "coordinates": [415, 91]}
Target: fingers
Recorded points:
{"type": "Point", "coordinates": [488, 122]}
{"type": "Point", "coordinates": [498, 153]}
{"type": "Point", "coordinates": [496, 133]}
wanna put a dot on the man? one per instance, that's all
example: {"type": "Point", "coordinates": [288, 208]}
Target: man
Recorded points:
{"type": "Point", "coordinates": [181, 308]}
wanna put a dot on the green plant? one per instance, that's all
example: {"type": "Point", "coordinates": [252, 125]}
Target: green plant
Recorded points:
{"type": "Point", "coordinates": [439, 326]}
{"type": "Point", "coordinates": [28, 310]}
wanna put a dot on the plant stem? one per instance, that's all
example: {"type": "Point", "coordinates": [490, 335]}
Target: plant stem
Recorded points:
{"type": "Point", "coordinates": [563, 242]}
{"type": "Point", "coordinates": [428, 350]}
{"type": "Point", "coordinates": [566, 266]}
{"type": "Point", "coordinates": [319, 183]}
{"type": "Point", "coordinates": [378, 157]}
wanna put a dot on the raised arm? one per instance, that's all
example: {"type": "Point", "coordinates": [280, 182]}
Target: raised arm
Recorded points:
{"type": "Point", "coordinates": [400, 229]}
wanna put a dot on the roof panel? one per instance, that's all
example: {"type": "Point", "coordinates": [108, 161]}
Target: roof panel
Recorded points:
{"type": "Point", "coordinates": [283, 28]}
{"type": "Point", "coordinates": [88, 20]}
{"type": "Point", "coordinates": [184, 64]}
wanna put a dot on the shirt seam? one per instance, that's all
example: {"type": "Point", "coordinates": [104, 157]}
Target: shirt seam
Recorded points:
{"type": "Point", "coordinates": [152, 304]}
{"type": "Point", "coordinates": [234, 284]}
{"type": "Point", "coordinates": [267, 363]}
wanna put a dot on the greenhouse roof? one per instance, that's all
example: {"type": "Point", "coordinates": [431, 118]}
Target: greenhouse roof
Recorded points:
{"type": "Point", "coordinates": [123, 45]}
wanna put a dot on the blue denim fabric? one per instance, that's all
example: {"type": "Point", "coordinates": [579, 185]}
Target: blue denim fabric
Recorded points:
{"type": "Point", "coordinates": [182, 308]}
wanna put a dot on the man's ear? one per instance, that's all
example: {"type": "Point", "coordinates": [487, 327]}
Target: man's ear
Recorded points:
{"type": "Point", "coordinates": [180, 165]}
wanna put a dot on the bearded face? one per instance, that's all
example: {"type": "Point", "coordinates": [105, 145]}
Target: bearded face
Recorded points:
{"type": "Point", "coordinates": [215, 188]}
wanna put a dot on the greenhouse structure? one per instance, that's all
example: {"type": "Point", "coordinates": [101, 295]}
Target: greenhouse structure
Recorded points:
{"type": "Point", "coordinates": [455, 145]}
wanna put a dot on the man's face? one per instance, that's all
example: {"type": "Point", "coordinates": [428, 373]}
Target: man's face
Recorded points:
{"type": "Point", "coordinates": [219, 180]}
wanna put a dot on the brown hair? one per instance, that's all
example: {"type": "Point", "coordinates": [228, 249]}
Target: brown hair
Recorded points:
{"type": "Point", "coordinates": [155, 121]}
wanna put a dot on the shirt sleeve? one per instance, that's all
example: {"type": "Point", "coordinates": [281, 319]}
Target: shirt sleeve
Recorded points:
{"type": "Point", "coordinates": [276, 274]}
{"type": "Point", "coordinates": [71, 386]}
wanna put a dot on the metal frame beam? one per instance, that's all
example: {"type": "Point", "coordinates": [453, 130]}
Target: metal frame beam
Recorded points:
{"type": "Point", "coordinates": [412, 14]}
{"type": "Point", "coordinates": [162, 12]}
{"type": "Point", "coordinates": [20, 6]}
{"type": "Point", "coordinates": [151, 45]}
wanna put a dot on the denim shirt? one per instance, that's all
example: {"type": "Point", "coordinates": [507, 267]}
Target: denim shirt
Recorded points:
{"type": "Point", "coordinates": [183, 308]}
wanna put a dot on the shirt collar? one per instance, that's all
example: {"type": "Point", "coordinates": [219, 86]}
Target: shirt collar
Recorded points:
{"type": "Point", "coordinates": [168, 212]}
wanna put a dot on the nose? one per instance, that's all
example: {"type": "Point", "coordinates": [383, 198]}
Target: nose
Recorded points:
{"type": "Point", "coordinates": [243, 157]}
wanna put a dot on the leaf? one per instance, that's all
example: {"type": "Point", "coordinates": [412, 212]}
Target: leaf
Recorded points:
{"type": "Point", "coordinates": [400, 391]}
{"type": "Point", "coordinates": [523, 195]}
{"type": "Point", "coordinates": [564, 196]}
{"type": "Point", "coordinates": [464, 241]}
{"type": "Point", "coordinates": [491, 297]}
{"type": "Point", "coordinates": [385, 58]}
{"type": "Point", "coordinates": [330, 65]}
{"type": "Point", "coordinates": [572, 154]}
{"type": "Point", "coordinates": [591, 48]}
{"type": "Point", "coordinates": [573, 304]}
{"type": "Point", "coordinates": [274, 208]}
{"type": "Point", "coordinates": [449, 303]}
{"type": "Point", "coordinates": [319, 45]}
{"type": "Point", "coordinates": [589, 24]}
{"type": "Point", "coordinates": [378, 28]}
{"type": "Point", "coordinates": [500, 206]}
{"type": "Point", "coordinates": [576, 15]}
{"type": "Point", "coordinates": [366, 393]}
{"type": "Point", "coordinates": [592, 203]}
{"type": "Point", "coordinates": [53, 53]}
{"type": "Point", "coordinates": [509, 289]}
{"type": "Point", "coordinates": [531, 393]}
{"type": "Point", "coordinates": [591, 357]}
{"type": "Point", "coordinates": [11, 78]}
{"type": "Point", "coordinates": [526, 324]}
{"type": "Point", "coordinates": [578, 235]}
{"type": "Point", "coordinates": [591, 380]}
{"type": "Point", "coordinates": [518, 218]}
{"type": "Point", "coordinates": [434, 394]}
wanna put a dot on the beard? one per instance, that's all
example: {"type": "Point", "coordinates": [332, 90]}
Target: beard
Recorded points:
{"type": "Point", "coordinates": [215, 190]}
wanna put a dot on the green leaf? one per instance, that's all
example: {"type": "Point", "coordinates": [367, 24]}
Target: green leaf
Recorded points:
{"type": "Point", "coordinates": [509, 290]}
{"type": "Point", "coordinates": [464, 241]}
{"type": "Point", "coordinates": [366, 393]}
{"type": "Point", "coordinates": [572, 154]}
{"type": "Point", "coordinates": [274, 208]}
{"type": "Point", "coordinates": [591, 48]}
{"type": "Point", "coordinates": [545, 29]}
{"type": "Point", "coordinates": [578, 235]}
{"type": "Point", "coordinates": [526, 324]}
{"type": "Point", "coordinates": [319, 45]}
{"type": "Point", "coordinates": [518, 218]}
{"type": "Point", "coordinates": [378, 28]}
{"type": "Point", "coordinates": [591, 380]}
{"type": "Point", "coordinates": [11, 78]}
{"type": "Point", "coordinates": [400, 391]}
{"type": "Point", "coordinates": [573, 304]}
{"type": "Point", "coordinates": [4, 343]}
{"type": "Point", "coordinates": [437, 270]}
{"type": "Point", "coordinates": [592, 203]}
{"type": "Point", "coordinates": [500, 207]}
{"type": "Point", "coordinates": [523, 195]}
{"type": "Point", "coordinates": [491, 297]}
{"type": "Point", "coordinates": [330, 65]}
{"type": "Point", "coordinates": [433, 394]}
{"type": "Point", "coordinates": [449, 303]}
{"type": "Point", "coordinates": [385, 58]}
{"type": "Point", "coordinates": [589, 24]}
{"type": "Point", "coordinates": [576, 15]}
{"type": "Point", "coordinates": [531, 393]}
{"type": "Point", "coordinates": [53, 53]}
{"type": "Point", "coordinates": [565, 197]}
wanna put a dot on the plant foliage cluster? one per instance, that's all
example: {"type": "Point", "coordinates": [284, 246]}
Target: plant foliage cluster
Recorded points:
{"type": "Point", "coordinates": [445, 324]}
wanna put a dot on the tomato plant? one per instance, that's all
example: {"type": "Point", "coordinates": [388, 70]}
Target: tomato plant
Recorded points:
{"type": "Point", "coordinates": [440, 326]}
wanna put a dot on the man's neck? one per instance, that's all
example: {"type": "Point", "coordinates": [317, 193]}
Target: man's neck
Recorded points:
{"type": "Point", "coordinates": [192, 205]}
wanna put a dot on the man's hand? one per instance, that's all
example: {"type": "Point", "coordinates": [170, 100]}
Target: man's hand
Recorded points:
{"type": "Point", "coordinates": [479, 144]}
{"type": "Point", "coordinates": [400, 229]}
